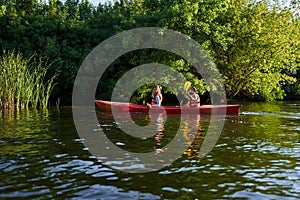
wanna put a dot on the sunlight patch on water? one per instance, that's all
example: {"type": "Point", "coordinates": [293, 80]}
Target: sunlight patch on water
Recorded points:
{"type": "Point", "coordinates": [288, 115]}
{"type": "Point", "coordinates": [257, 195]}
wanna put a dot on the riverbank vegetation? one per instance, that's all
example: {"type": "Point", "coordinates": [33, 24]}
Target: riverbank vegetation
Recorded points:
{"type": "Point", "coordinates": [255, 44]}
{"type": "Point", "coordinates": [22, 82]}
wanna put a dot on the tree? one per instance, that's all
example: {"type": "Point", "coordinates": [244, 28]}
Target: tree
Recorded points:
{"type": "Point", "coordinates": [254, 44]}
{"type": "Point", "coordinates": [265, 41]}
{"type": "Point", "coordinates": [193, 18]}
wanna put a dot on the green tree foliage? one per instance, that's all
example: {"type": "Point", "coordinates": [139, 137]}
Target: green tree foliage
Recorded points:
{"type": "Point", "coordinates": [255, 44]}
{"type": "Point", "coordinates": [262, 56]}
{"type": "Point", "coordinates": [183, 16]}
{"type": "Point", "coordinates": [53, 31]}
{"type": "Point", "coordinates": [2, 10]}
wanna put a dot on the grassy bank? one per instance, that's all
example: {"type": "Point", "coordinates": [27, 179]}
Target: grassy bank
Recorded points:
{"type": "Point", "coordinates": [22, 82]}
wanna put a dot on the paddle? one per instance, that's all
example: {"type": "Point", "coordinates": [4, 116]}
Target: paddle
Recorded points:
{"type": "Point", "coordinates": [187, 85]}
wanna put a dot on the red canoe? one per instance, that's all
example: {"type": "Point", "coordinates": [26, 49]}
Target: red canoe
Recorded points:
{"type": "Point", "coordinates": [204, 109]}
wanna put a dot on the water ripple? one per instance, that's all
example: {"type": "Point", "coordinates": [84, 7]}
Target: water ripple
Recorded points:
{"type": "Point", "coordinates": [259, 195]}
{"type": "Point", "coordinates": [112, 193]}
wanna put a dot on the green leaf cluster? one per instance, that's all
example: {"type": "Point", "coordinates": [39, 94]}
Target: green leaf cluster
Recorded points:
{"type": "Point", "coordinates": [263, 55]}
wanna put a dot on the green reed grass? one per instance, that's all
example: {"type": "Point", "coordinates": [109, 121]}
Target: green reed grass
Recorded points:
{"type": "Point", "coordinates": [22, 82]}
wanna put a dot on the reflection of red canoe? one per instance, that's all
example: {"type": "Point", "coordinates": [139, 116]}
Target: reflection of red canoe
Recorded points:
{"type": "Point", "coordinates": [204, 109]}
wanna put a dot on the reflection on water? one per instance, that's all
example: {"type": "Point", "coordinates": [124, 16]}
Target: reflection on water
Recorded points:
{"type": "Point", "coordinates": [164, 132]}
{"type": "Point", "coordinates": [147, 142]}
{"type": "Point", "coordinates": [256, 157]}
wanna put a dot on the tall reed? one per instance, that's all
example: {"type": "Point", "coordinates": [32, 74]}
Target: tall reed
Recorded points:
{"type": "Point", "coordinates": [22, 82]}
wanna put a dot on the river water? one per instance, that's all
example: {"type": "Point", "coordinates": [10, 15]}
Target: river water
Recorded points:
{"type": "Point", "coordinates": [257, 156]}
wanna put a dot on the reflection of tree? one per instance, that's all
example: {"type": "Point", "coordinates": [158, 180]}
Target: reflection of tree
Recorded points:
{"type": "Point", "coordinates": [268, 121]}
{"type": "Point", "coordinates": [24, 131]}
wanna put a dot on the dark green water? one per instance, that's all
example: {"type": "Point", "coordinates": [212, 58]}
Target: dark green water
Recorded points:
{"type": "Point", "coordinates": [256, 157]}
